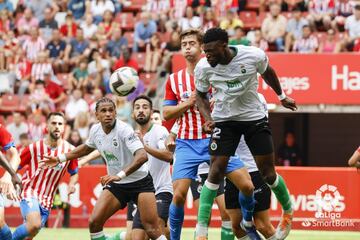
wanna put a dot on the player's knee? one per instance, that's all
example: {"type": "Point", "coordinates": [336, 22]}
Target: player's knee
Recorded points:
{"type": "Point", "coordinates": [151, 228]}
{"type": "Point", "coordinates": [269, 174]}
{"type": "Point", "coordinates": [179, 198]}
{"type": "Point", "coordinates": [265, 229]}
{"type": "Point", "coordinates": [247, 188]}
{"type": "Point", "coordinates": [34, 227]}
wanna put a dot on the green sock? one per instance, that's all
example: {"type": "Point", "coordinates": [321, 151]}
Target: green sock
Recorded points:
{"type": "Point", "coordinates": [207, 197]}
{"type": "Point", "coordinates": [116, 236]}
{"type": "Point", "coordinates": [282, 193]}
{"type": "Point", "coordinates": [98, 238]}
{"type": "Point", "coordinates": [226, 233]}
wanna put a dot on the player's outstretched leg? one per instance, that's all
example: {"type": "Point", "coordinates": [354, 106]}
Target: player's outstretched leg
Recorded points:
{"type": "Point", "coordinates": [176, 210]}
{"type": "Point", "coordinates": [277, 184]}
{"type": "Point", "coordinates": [149, 216]}
{"type": "Point", "coordinates": [5, 232]}
{"type": "Point", "coordinates": [105, 207]}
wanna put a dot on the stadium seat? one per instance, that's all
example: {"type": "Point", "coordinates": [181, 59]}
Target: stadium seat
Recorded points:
{"type": "Point", "coordinates": [253, 5]}
{"type": "Point", "coordinates": [135, 6]}
{"type": "Point", "coordinates": [249, 19]}
{"type": "Point", "coordinates": [126, 20]}
{"type": "Point", "coordinates": [10, 103]}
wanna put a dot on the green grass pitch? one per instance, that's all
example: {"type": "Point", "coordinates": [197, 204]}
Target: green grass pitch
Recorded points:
{"type": "Point", "coordinates": [82, 234]}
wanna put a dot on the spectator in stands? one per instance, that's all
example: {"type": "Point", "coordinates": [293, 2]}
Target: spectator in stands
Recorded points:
{"type": "Point", "coordinates": [75, 106]}
{"type": "Point", "coordinates": [357, 45]}
{"type": "Point", "coordinates": [77, 7]}
{"type": "Point", "coordinates": [308, 43]}
{"type": "Point", "coordinates": [74, 138]}
{"type": "Point", "coordinates": [56, 51]}
{"type": "Point", "coordinates": [156, 117]}
{"type": "Point", "coordinates": [17, 127]}
{"type": "Point", "coordinates": [259, 41]}
{"type": "Point", "coordinates": [230, 22]}
{"type": "Point", "coordinates": [178, 9]}
{"type": "Point", "coordinates": [190, 20]}
{"type": "Point", "coordinates": [68, 29]}
{"type": "Point", "coordinates": [36, 127]}
{"type": "Point", "coordinates": [320, 13]}
{"type": "Point", "coordinates": [77, 49]}
{"type": "Point", "coordinates": [328, 45]}
{"type": "Point", "coordinates": [38, 7]}
{"type": "Point", "coordinates": [98, 7]}
{"type": "Point", "coordinates": [5, 22]}
{"type": "Point", "coordinates": [54, 89]}
{"type": "Point", "coordinates": [289, 154]}
{"type": "Point", "coordinates": [352, 27]}
{"type": "Point", "coordinates": [33, 45]}
{"type": "Point", "coordinates": [153, 54]}
{"type": "Point", "coordinates": [96, 95]}
{"type": "Point", "coordinates": [99, 70]}
{"type": "Point", "coordinates": [26, 22]}
{"type": "Point", "coordinates": [88, 26]}
{"type": "Point", "coordinates": [6, 5]}
{"type": "Point", "coordinates": [107, 26]}
{"type": "Point", "coordinates": [343, 9]}
{"type": "Point", "coordinates": [82, 124]}
{"type": "Point", "coordinates": [294, 28]}
{"type": "Point", "coordinates": [114, 46]}
{"type": "Point", "coordinates": [123, 109]}
{"type": "Point", "coordinates": [143, 31]}
{"type": "Point", "coordinates": [22, 72]}
{"type": "Point", "coordinates": [41, 67]}
{"type": "Point", "coordinates": [79, 77]}
{"type": "Point", "coordinates": [157, 8]}
{"type": "Point", "coordinates": [239, 37]}
{"type": "Point", "coordinates": [126, 60]}
{"type": "Point", "coordinates": [24, 142]}
{"type": "Point", "coordinates": [39, 100]}
{"type": "Point", "coordinates": [209, 20]}
{"type": "Point", "coordinates": [274, 26]}
{"type": "Point", "coordinates": [47, 25]}
{"type": "Point", "coordinates": [171, 47]}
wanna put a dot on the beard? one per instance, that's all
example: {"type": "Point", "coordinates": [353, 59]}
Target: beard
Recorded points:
{"type": "Point", "coordinates": [142, 120]}
{"type": "Point", "coordinates": [55, 136]}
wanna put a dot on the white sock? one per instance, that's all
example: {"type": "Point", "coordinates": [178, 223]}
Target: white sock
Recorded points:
{"type": "Point", "coordinates": [211, 186]}
{"type": "Point", "coordinates": [226, 224]}
{"type": "Point", "coordinates": [201, 230]}
{"type": "Point", "coordinates": [244, 238]}
{"type": "Point", "coordinates": [247, 223]}
{"type": "Point", "coordinates": [96, 235]}
{"type": "Point", "coordinates": [122, 235]}
{"type": "Point", "coordinates": [162, 237]}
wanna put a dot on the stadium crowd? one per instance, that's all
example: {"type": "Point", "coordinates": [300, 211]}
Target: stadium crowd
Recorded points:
{"type": "Point", "coordinates": [59, 54]}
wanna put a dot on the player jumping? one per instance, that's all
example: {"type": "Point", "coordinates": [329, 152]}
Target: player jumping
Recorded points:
{"type": "Point", "coordinates": [232, 73]}
{"type": "Point", "coordinates": [128, 177]}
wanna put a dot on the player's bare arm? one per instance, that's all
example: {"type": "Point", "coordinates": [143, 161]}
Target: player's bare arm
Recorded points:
{"type": "Point", "coordinates": [9, 182]}
{"type": "Point", "coordinates": [88, 158]}
{"type": "Point", "coordinates": [140, 157]}
{"type": "Point", "coordinates": [203, 104]}
{"type": "Point", "coordinates": [14, 178]}
{"type": "Point", "coordinates": [72, 182]}
{"type": "Point", "coordinates": [272, 80]}
{"type": "Point", "coordinates": [170, 142]}
{"type": "Point", "coordinates": [173, 112]}
{"type": "Point", "coordinates": [161, 154]}
{"type": "Point", "coordinates": [78, 152]}
{"type": "Point", "coordinates": [354, 160]}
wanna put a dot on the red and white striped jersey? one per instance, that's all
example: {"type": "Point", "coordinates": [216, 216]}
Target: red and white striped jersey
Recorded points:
{"type": "Point", "coordinates": [32, 48]}
{"type": "Point", "coordinates": [306, 45]}
{"type": "Point", "coordinates": [322, 6]}
{"type": "Point", "coordinates": [42, 183]}
{"type": "Point", "coordinates": [178, 89]}
{"type": "Point", "coordinates": [38, 70]}
{"type": "Point", "coordinates": [36, 132]}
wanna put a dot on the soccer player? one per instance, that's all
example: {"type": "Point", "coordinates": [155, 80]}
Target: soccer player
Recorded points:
{"type": "Point", "coordinates": [354, 160]}
{"type": "Point", "coordinates": [128, 176]}
{"type": "Point", "coordinates": [40, 184]}
{"type": "Point", "coordinates": [153, 137]}
{"type": "Point", "coordinates": [231, 71]}
{"type": "Point", "coordinates": [262, 194]}
{"type": "Point", "coordinates": [156, 117]}
{"type": "Point", "coordinates": [9, 179]}
{"type": "Point", "coordinates": [192, 142]}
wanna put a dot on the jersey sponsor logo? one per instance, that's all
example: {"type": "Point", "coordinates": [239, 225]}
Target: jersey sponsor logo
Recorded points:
{"type": "Point", "coordinates": [233, 83]}
{"type": "Point", "coordinates": [110, 158]}
{"type": "Point", "coordinates": [132, 138]}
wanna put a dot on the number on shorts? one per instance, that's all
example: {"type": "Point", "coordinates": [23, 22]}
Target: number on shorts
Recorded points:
{"type": "Point", "coordinates": [216, 133]}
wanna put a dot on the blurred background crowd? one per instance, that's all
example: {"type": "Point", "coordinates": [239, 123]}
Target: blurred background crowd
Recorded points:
{"type": "Point", "coordinates": [59, 54]}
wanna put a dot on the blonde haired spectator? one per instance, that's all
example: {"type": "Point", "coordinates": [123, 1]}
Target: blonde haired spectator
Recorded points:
{"type": "Point", "coordinates": [88, 26]}
{"type": "Point", "coordinates": [82, 124]}
{"type": "Point", "coordinates": [230, 22]}
{"type": "Point", "coordinates": [26, 22]}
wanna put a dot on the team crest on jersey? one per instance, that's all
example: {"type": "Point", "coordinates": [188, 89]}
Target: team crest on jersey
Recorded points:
{"type": "Point", "coordinates": [213, 146]}
{"type": "Point", "coordinates": [186, 95]}
{"type": "Point", "coordinates": [115, 142]}
{"type": "Point", "coordinates": [242, 69]}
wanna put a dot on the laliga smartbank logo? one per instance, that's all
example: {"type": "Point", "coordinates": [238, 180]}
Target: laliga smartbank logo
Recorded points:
{"type": "Point", "coordinates": [330, 204]}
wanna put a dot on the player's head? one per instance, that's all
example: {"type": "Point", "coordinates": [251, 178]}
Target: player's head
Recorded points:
{"type": "Point", "coordinates": [105, 112]}
{"type": "Point", "coordinates": [142, 109]}
{"type": "Point", "coordinates": [191, 41]}
{"type": "Point", "coordinates": [55, 125]}
{"type": "Point", "coordinates": [215, 45]}
{"type": "Point", "coordinates": [156, 117]}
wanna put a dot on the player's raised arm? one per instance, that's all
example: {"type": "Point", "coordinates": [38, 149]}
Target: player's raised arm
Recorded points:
{"type": "Point", "coordinates": [78, 152]}
{"type": "Point", "coordinates": [354, 160]}
{"type": "Point", "coordinates": [271, 78]}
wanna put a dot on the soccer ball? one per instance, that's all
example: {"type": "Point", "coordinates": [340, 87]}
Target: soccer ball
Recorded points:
{"type": "Point", "coordinates": [124, 81]}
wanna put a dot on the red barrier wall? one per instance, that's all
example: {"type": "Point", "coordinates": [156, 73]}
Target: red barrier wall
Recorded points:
{"type": "Point", "coordinates": [311, 78]}
{"type": "Point", "coordinates": [310, 187]}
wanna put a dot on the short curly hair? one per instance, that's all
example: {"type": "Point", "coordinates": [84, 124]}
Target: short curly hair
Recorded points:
{"type": "Point", "coordinates": [216, 34]}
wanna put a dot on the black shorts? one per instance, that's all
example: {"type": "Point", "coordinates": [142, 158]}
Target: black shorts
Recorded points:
{"type": "Point", "coordinates": [226, 136]}
{"type": "Point", "coordinates": [129, 192]}
{"type": "Point", "coordinates": [163, 201]}
{"type": "Point", "coordinates": [262, 194]}
{"type": "Point", "coordinates": [131, 211]}
{"type": "Point", "coordinates": [196, 186]}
